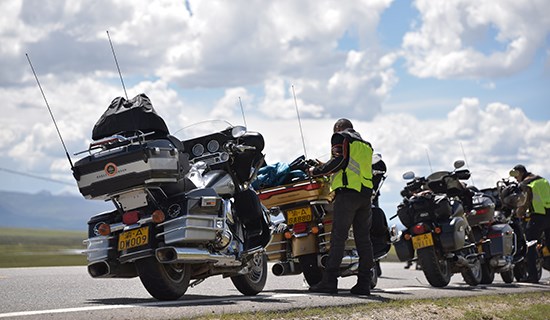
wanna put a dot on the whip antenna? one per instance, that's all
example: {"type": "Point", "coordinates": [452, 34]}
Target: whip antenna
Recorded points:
{"type": "Point", "coordinates": [50, 110]}
{"type": "Point", "coordinates": [242, 111]}
{"type": "Point", "coordinates": [299, 122]}
{"type": "Point", "coordinates": [429, 162]}
{"type": "Point", "coordinates": [118, 68]}
{"type": "Point", "coordinates": [466, 160]}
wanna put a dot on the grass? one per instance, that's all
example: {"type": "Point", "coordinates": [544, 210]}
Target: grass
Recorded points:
{"type": "Point", "coordinates": [535, 306]}
{"type": "Point", "coordinates": [40, 248]}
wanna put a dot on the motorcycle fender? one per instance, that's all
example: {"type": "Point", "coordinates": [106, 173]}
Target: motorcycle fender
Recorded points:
{"type": "Point", "coordinates": [453, 234]}
{"type": "Point", "coordinates": [304, 245]}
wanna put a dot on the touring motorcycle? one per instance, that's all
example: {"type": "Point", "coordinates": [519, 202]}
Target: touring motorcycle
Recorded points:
{"type": "Point", "coordinates": [436, 227]}
{"type": "Point", "coordinates": [302, 228]}
{"type": "Point", "coordinates": [183, 210]}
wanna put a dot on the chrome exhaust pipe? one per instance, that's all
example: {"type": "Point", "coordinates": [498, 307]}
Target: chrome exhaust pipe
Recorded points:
{"type": "Point", "coordinates": [346, 261]}
{"type": "Point", "coordinates": [194, 255]}
{"type": "Point", "coordinates": [286, 268]}
{"type": "Point", "coordinates": [99, 269]}
{"type": "Point", "coordinates": [461, 261]}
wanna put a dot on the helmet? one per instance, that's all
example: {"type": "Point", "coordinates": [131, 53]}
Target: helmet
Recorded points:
{"type": "Point", "coordinates": [512, 196]}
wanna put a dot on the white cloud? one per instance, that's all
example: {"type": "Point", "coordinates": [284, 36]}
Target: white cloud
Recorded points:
{"type": "Point", "coordinates": [448, 41]}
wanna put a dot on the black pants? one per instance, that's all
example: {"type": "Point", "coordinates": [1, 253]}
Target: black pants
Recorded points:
{"type": "Point", "coordinates": [538, 224]}
{"type": "Point", "coordinates": [351, 208]}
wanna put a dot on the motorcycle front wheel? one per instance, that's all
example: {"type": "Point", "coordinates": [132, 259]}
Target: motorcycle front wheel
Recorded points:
{"type": "Point", "coordinates": [487, 273]}
{"type": "Point", "coordinates": [252, 283]}
{"type": "Point", "coordinates": [507, 276]}
{"type": "Point", "coordinates": [472, 275]}
{"type": "Point", "coordinates": [164, 281]}
{"type": "Point", "coordinates": [435, 267]}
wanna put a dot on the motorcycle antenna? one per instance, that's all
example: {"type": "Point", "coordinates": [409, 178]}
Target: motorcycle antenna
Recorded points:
{"type": "Point", "coordinates": [466, 160]}
{"type": "Point", "coordinates": [429, 162]}
{"type": "Point", "coordinates": [299, 122]}
{"type": "Point", "coordinates": [117, 66]}
{"type": "Point", "coordinates": [242, 111]}
{"type": "Point", "coordinates": [50, 110]}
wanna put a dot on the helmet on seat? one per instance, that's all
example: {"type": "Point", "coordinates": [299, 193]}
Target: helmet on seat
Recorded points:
{"type": "Point", "coordinates": [512, 196]}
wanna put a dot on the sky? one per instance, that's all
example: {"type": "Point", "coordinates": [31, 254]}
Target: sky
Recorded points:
{"type": "Point", "coordinates": [427, 82]}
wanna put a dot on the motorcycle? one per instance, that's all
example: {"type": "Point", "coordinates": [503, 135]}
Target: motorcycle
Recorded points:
{"type": "Point", "coordinates": [301, 238]}
{"type": "Point", "coordinates": [436, 227]}
{"type": "Point", "coordinates": [494, 234]}
{"type": "Point", "coordinates": [183, 209]}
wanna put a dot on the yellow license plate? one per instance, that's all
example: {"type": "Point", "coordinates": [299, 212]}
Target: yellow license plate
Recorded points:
{"type": "Point", "coordinates": [298, 215]}
{"type": "Point", "coordinates": [133, 238]}
{"type": "Point", "coordinates": [422, 241]}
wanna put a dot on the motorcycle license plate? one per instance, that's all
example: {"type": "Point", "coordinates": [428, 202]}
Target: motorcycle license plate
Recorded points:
{"type": "Point", "coordinates": [422, 241]}
{"type": "Point", "coordinates": [133, 238]}
{"type": "Point", "coordinates": [298, 215]}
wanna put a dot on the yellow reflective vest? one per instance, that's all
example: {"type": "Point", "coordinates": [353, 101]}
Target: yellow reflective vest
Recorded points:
{"type": "Point", "coordinates": [541, 195]}
{"type": "Point", "coordinates": [358, 171]}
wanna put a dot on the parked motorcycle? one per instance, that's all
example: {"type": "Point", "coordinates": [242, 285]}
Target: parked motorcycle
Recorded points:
{"type": "Point", "coordinates": [183, 209]}
{"type": "Point", "coordinates": [301, 238]}
{"type": "Point", "coordinates": [437, 228]}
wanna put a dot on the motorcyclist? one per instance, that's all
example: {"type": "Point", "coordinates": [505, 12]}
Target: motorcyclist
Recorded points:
{"type": "Point", "coordinates": [536, 211]}
{"type": "Point", "coordinates": [351, 170]}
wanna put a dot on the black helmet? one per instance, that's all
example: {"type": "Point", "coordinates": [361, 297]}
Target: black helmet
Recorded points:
{"type": "Point", "coordinates": [512, 196]}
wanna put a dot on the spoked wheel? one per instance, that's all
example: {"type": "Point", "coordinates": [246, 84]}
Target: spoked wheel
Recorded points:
{"type": "Point", "coordinates": [487, 273]}
{"type": "Point", "coordinates": [435, 268]}
{"type": "Point", "coordinates": [310, 268]}
{"type": "Point", "coordinates": [254, 282]}
{"type": "Point", "coordinates": [472, 274]}
{"type": "Point", "coordinates": [164, 281]}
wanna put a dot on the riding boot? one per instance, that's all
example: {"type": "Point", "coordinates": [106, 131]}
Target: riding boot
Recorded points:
{"type": "Point", "coordinates": [363, 284]}
{"type": "Point", "coordinates": [328, 284]}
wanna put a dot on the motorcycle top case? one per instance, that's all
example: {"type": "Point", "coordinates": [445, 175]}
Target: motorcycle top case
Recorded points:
{"type": "Point", "coordinates": [484, 208]}
{"type": "Point", "coordinates": [110, 172]}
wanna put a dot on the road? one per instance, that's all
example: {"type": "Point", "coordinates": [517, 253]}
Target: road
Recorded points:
{"type": "Point", "coordinates": [70, 293]}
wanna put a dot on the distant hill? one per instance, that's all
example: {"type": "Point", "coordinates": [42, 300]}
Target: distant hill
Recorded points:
{"type": "Point", "coordinates": [46, 211]}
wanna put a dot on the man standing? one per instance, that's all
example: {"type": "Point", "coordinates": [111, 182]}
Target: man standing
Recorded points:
{"type": "Point", "coordinates": [536, 211]}
{"type": "Point", "coordinates": [351, 169]}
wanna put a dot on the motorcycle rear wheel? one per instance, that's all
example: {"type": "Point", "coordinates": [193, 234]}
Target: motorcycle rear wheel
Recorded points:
{"type": "Point", "coordinates": [252, 283]}
{"type": "Point", "coordinates": [507, 276]}
{"type": "Point", "coordinates": [487, 273]}
{"type": "Point", "coordinates": [435, 268]}
{"type": "Point", "coordinates": [164, 281]}
{"type": "Point", "coordinates": [472, 275]}
{"type": "Point", "coordinates": [310, 268]}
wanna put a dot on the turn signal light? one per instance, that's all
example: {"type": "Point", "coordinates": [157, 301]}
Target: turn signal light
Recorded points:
{"type": "Point", "coordinates": [437, 230]}
{"type": "Point", "coordinates": [104, 229]}
{"type": "Point", "coordinates": [288, 235]}
{"type": "Point", "coordinates": [315, 230]}
{"type": "Point", "coordinates": [158, 216]}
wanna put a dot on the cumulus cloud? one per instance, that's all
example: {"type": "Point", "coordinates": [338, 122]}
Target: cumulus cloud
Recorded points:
{"type": "Point", "coordinates": [449, 39]}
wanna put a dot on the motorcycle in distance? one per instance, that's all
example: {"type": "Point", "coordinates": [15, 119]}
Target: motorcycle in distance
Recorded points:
{"type": "Point", "coordinates": [436, 227]}
{"type": "Point", "coordinates": [494, 234]}
{"type": "Point", "coordinates": [301, 238]}
{"type": "Point", "coordinates": [512, 197]}
{"type": "Point", "coordinates": [183, 210]}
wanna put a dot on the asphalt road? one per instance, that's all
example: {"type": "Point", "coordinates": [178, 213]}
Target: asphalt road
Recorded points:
{"type": "Point", "coordinates": [70, 293]}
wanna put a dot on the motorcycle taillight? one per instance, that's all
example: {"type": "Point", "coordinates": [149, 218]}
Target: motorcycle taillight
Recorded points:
{"type": "Point", "coordinates": [300, 227]}
{"type": "Point", "coordinates": [419, 229]}
{"type": "Point", "coordinates": [130, 217]}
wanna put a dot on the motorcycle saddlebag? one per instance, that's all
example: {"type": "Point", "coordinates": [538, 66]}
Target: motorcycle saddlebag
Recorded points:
{"type": "Point", "coordinates": [453, 234]}
{"type": "Point", "coordinates": [404, 249]}
{"type": "Point", "coordinates": [502, 239]}
{"type": "Point", "coordinates": [136, 114]}
{"type": "Point", "coordinates": [484, 209]}
{"type": "Point", "coordinates": [102, 174]}
{"type": "Point", "coordinates": [405, 214]}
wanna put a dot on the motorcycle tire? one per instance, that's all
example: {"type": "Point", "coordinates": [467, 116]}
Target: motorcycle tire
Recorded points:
{"type": "Point", "coordinates": [472, 275]}
{"type": "Point", "coordinates": [507, 276]}
{"type": "Point", "coordinates": [310, 268]}
{"type": "Point", "coordinates": [374, 278]}
{"type": "Point", "coordinates": [520, 270]}
{"type": "Point", "coordinates": [487, 273]}
{"type": "Point", "coordinates": [163, 281]}
{"type": "Point", "coordinates": [378, 268]}
{"type": "Point", "coordinates": [435, 268]}
{"type": "Point", "coordinates": [254, 282]}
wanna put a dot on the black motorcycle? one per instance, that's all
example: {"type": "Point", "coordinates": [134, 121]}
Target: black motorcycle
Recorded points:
{"type": "Point", "coordinates": [436, 227]}
{"type": "Point", "coordinates": [183, 209]}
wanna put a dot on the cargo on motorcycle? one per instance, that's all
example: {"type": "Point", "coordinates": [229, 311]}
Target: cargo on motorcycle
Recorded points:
{"type": "Point", "coordinates": [182, 207]}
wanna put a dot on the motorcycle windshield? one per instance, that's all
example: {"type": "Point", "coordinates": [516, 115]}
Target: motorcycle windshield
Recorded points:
{"type": "Point", "coordinates": [201, 129]}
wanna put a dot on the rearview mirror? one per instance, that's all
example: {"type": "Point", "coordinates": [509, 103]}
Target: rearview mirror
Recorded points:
{"type": "Point", "coordinates": [458, 164]}
{"type": "Point", "coordinates": [238, 131]}
{"type": "Point", "coordinates": [409, 175]}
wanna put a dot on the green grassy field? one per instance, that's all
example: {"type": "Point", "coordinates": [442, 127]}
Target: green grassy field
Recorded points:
{"type": "Point", "coordinates": [36, 248]}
